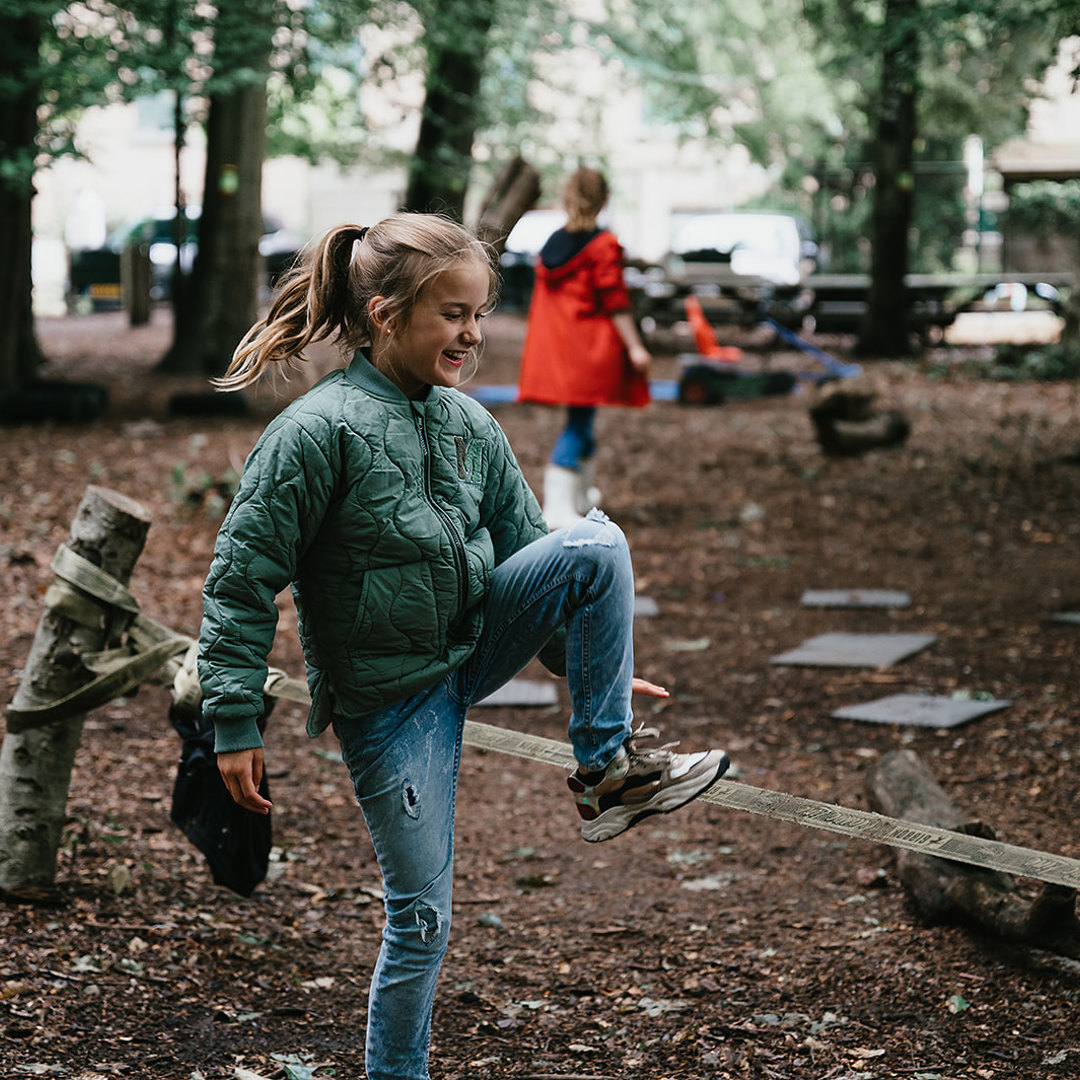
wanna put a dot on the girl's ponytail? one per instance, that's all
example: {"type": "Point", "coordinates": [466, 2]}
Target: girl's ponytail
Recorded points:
{"type": "Point", "coordinates": [313, 304]}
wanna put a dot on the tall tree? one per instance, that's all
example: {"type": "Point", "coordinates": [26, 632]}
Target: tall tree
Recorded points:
{"type": "Point", "coordinates": [20, 93]}
{"type": "Point", "coordinates": [912, 70]}
{"type": "Point", "coordinates": [54, 61]}
{"type": "Point", "coordinates": [217, 304]}
{"type": "Point", "coordinates": [456, 34]}
{"type": "Point", "coordinates": [885, 326]}
{"type": "Point", "coordinates": [253, 41]}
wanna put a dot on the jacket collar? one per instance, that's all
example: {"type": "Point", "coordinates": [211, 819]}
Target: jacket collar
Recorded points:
{"type": "Point", "coordinates": [363, 374]}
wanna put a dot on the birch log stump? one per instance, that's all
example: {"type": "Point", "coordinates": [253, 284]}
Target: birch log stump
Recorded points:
{"type": "Point", "coordinates": [901, 786]}
{"type": "Point", "coordinates": [109, 530]}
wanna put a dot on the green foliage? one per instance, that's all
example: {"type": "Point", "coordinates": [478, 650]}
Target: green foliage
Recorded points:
{"type": "Point", "coordinates": [1047, 363]}
{"type": "Point", "coordinates": [1045, 208]}
{"type": "Point", "coordinates": [976, 63]}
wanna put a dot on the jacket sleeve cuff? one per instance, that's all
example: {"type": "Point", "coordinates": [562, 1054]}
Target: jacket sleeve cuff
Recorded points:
{"type": "Point", "coordinates": [230, 735]}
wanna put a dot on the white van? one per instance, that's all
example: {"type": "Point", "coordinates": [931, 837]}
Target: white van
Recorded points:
{"type": "Point", "coordinates": [776, 248]}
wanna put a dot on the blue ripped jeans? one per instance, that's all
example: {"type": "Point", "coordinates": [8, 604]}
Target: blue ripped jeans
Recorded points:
{"type": "Point", "coordinates": [404, 759]}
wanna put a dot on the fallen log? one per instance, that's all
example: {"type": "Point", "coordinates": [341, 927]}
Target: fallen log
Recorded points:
{"type": "Point", "coordinates": [943, 891]}
{"type": "Point", "coordinates": [847, 424]}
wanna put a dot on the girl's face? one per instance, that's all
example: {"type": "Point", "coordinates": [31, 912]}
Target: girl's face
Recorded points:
{"type": "Point", "coordinates": [443, 329]}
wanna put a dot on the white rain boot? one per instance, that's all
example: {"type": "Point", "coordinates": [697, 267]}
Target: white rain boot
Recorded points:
{"type": "Point", "coordinates": [588, 494]}
{"type": "Point", "coordinates": [560, 496]}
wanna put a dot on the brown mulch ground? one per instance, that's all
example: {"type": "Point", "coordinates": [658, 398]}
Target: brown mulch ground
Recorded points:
{"type": "Point", "coordinates": [705, 944]}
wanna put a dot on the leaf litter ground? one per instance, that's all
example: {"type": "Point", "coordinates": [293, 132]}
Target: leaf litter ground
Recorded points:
{"type": "Point", "coordinates": [703, 944]}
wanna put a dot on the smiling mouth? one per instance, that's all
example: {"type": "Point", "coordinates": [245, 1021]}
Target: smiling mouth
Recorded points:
{"type": "Point", "coordinates": [456, 357]}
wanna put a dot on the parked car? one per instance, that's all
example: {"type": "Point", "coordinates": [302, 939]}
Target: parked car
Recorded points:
{"type": "Point", "coordinates": [522, 246]}
{"type": "Point", "coordinates": [741, 266]}
{"type": "Point", "coordinates": [94, 276]}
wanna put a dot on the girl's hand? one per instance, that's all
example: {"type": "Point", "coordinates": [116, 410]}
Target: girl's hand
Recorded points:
{"type": "Point", "coordinates": [242, 771]}
{"type": "Point", "coordinates": [641, 686]}
{"type": "Point", "coordinates": [640, 358]}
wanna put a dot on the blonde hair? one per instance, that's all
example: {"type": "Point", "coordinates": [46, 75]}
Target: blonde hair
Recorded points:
{"type": "Point", "coordinates": [584, 196]}
{"type": "Point", "coordinates": [329, 294]}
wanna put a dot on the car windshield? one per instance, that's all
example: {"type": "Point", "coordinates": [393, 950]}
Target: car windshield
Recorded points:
{"type": "Point", "coordinates": [530, 234]}
{"type": "Point", "coordinates": [767, 234]}
{"type": "Point", "coordinates": [155, 230]}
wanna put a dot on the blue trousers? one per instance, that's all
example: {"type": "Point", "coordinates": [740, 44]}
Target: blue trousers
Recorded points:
{"type": "Point", "coordinates": [403, 760]}
{"type": "Point", "coordinates": [576, 443]}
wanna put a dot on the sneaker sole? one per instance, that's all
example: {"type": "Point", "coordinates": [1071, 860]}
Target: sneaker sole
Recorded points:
{"type": "Point", "coordinates": [620, 818]}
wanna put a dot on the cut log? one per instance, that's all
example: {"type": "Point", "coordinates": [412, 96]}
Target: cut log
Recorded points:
{"type": "Point", "coordinates": [514, 191]}
{"type": "Point", "coordinates": [847, 424]}
{"type": "Point", "coordinates": [109, 530]}
{"type": "Point", "coordinates": [901, 786]}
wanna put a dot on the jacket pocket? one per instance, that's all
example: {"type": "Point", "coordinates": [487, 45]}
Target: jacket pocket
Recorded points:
{"type": "Point", "coordinates": [321, 712]}
{"type": "Point", "coordinates": [362, 618]}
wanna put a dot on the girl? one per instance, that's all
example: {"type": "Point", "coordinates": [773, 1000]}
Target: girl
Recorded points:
{"type": "Point", "coordinates": [582, 348]}
{"type": "Point", "coordinates": [424, 579]}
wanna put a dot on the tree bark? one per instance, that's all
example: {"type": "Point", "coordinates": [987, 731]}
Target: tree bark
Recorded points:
{"type": "Point", "coordinates": [901, 786]}
{"type": "Point", "coordinates": [885, 330]}
{"type": "Point", "coordinates": [218, 303]}
{"type": "Point", "coordinates": [514, 192]}
{"type": "Point", "coordinates": [20, 354]}
{"type": "Point", "coordinates": [109, 530]}
{"type": "Point", "coordinates": [457, 49]}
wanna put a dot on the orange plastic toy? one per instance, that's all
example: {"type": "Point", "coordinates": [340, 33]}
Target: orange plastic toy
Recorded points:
{"type": "Point", "coordinates": [705, 339]}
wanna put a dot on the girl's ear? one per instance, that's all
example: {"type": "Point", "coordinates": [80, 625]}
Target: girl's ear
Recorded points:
{"type": "Point", "coordinates": [377, 315]}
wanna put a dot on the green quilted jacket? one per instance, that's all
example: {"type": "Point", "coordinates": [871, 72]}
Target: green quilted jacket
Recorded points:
{"type": "Point", "coordinates": [386, 517]}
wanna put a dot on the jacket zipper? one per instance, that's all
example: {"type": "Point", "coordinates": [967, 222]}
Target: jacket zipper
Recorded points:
{"type": "Point", "coordinates": [444, 517]}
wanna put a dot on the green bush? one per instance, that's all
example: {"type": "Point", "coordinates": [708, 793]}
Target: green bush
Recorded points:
{"type": "Point", "coordinates": [1044, 207]}
{"type": "Point", "coordinates": [1046, 363]}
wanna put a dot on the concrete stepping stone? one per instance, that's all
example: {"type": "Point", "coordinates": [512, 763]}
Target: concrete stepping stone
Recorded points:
{"type": "Point", "coordinates": [921, 710]}
{"type": "Point", "coordinates": [855, 598]}
{"type": "Point", "coordinates": [855, 650]}
{"type": "Point", "coordinates": [645, 607]}
{"type": "Point", "coordinates": [522, 693]}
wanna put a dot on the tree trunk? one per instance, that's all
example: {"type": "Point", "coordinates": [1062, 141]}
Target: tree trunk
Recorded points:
{"type": "Point", "coordinates": [109, 530]}
{"type": "Point", "coordinates": [901, 786]}
{"type": "Point", "coordinates": [457, 49]}
{"type": "Point", "coordinates": [20, 355]}
{"type": "Point", "coordinates": [514, 192]}
{"type": "Point", "coordinates": [885, 329]}
{"type": "Point", "coordinates": [217, 305]}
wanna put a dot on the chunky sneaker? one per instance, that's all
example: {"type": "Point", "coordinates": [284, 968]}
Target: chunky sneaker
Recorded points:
{"type": "Point", "coordinates": [640, 782]}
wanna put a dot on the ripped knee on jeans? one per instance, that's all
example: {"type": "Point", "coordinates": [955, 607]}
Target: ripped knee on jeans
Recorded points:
{"type": "Point", "coordinates": [608, 535]}
{"type": "Point", "coordinates": [420, 926]}
{"type": "Point", "coordinates": [429, 922]}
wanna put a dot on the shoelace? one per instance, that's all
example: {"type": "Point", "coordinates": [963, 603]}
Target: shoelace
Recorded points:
{"type": "Point", "coordinates": [651, 752]}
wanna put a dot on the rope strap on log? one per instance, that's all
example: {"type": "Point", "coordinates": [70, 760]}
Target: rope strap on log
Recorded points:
{"type": "Point", "coordinates": [83, 591]}
{"type": "Point", "coordinates": [943, 843]}
{"type": "Point", "coordinates": [862, 824]}
{"type": "Point", "coordinates": [86, 594]}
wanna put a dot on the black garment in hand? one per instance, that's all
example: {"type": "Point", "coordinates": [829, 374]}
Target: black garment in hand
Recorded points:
{"type": "Point", "coordinates": [235, 841]}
